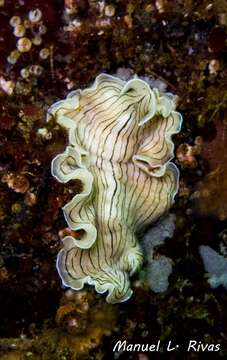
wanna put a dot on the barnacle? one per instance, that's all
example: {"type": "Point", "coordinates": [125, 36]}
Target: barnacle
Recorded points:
{"type": "Point", "coordinates": [120, 149]}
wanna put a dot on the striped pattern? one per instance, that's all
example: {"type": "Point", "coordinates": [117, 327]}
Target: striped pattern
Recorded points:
{"type": "Point", "coordinates": [120, 148]}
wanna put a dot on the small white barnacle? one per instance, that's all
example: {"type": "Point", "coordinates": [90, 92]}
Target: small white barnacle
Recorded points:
{"type": "Point", "coordinates": [35, 15]}
{"type": "Point", "coordinates": [25, 73]}
{"type": "Point", "coordinates": [24, 44]}
{"type": "Point", "coordinates": [19, 30]}
{"type": "Point", "coordinates": [15, 20]}
{"type": "Point", "coordinates": [37, 40]}
{"type": "Point", "coordinates": [44, 53]}
{"type": "Point", "coordinates": [42, 29]}
{"type": "Point", "coordinates": [13, 57]}
{"type": "Point", "coordinates": [36, 70]}
{"type": "Point", "coordinates": [120, 149]}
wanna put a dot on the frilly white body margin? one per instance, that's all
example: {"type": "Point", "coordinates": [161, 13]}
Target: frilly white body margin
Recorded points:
{"type": "Point", "coordinates": [120, 149]}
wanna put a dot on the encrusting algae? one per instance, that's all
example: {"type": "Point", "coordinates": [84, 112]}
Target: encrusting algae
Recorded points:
{"type": "Point", "coordinates": [120, 149]}
{"type": "Point", "coordinates": [72, 42]}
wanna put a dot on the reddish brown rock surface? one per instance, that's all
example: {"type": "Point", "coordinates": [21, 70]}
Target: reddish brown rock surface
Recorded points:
{"type": "Point", "coordinates": [181, 43]}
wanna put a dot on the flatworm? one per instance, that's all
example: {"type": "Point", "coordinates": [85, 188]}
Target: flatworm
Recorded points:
{"type": "Point", "coordinates": [120, 149]}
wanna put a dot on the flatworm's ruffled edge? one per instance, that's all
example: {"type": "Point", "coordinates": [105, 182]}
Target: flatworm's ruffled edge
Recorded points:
{"type": "Point", "coordinates": [58, 110]}
{"type": "Point", "coordinates": [176, 171]}
{"type": "Point", "coordinates": [78, 170]}
{"type": "Point", "coordinates": [65, 167]}
{"type": "Point", "coordinates": [116, 294]}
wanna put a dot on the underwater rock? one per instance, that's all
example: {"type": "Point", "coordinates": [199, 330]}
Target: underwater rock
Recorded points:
{"type": "Point", "coordinates": [158, 268]}
{"type": "Point", "coordinates": [158, 233]}
{"type": "Point", "coordinates": [128, 73]}
{"type": "Point", "coordinates": [158, 273]}
{"type": "Point", "coordinates": [186, 154]}
{"type": "Point", "coordinates": [84, 320]}
{"type": "Point", "coordinates": [120, 149]}
{"type": "Point", "coordinates": [124, 73]}
{"type": "Point", "coordinates": [17, 182]}
{"type": "Point", "coordinates": [211, 194]}
{"type": "Point", "coordinates": [215, 265]}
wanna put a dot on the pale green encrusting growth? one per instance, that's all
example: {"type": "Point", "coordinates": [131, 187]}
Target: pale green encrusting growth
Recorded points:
{"type": "Point", "coordinates": [120, 148]}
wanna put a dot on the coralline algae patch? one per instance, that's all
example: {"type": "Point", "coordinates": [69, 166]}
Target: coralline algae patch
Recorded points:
{"type": "Point", "coordinates": [120, 149]}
